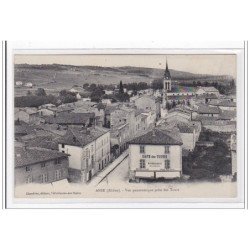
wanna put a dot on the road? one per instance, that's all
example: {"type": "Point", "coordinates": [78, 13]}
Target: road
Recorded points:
{"type": "Point", "coordinates": [118, 175]}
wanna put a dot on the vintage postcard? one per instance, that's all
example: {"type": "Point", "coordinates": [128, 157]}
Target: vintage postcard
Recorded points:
{"type": "Point", "coordinates": [127, 126]}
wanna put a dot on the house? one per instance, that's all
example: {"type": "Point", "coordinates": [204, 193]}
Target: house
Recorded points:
{"type": "Point", "coordinates": [207, 91]}
{"type": "Point", "coordinates": [210, 97]}
{"type": "Point", "coordinates": [28, 115]}
{"type": "Point", "coordinates": [119, 136]}
{"type": "Point", "coordinates": [156, 154]}
{"type": "Point", "coordinates": [39, 165]}
{"type": "Point", "coordinates": [225, 105]}
{"type": "Point", "coordinates": [231, 98]}
{"type": "Point", "coordinates": [109, 92]}
{"type": "Point", "coordinates": [180, 93]}
{"type": "Point", "coordinates": [148, 120]}
{"type": "Point", "coordinates": [130, 92]}
{"type": "Point", "coordinates": [77, 89]}
{"type": "Point", "coordinates": [228, 115]}
{"type": "Point", "coordinates": [186, 132]}
{"type": "Point", "coordinates": [179, 114]}
{"type": "Point", "coordinates": [206, 110]}
{"type": "Point", "coordinates": [97, 109]}
{"type": "Point", "coordinates": [86, 99]}
{"type": "Point", "coordinates": [72, 119]}
{"type": "Point", "coordinates": [89, 150]}
{"type": "Point", "coordinates": [148, 103]}
{"type": "Point", "coordinates": [50, 110]}
{"type": "Point", "coordinates": [19, 83]}
{"type": "Point", "coordinates": [28, 84]}
{"type": "Point", "coordinates": [78, 96]}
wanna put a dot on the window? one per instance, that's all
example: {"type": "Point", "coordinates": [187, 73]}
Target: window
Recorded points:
{"type": "Point", "coordinates": [43, 165]}
{"type": "Point", "coordinates": [62, 145]}
{"type": "Point", "coordinates": [142, 149]}
{"type": "Point", "coordinates": [58, 175]}
{"type": "Point", "coordinates": [28, 169]}
{"type": "Point", "coordinates": [167, 164]}
{"type": "Point", "coordinates": [92, 160]}
{"type": "Point", "coordinates": [166, 149]}
{"type": "Point", "coordinates": [44, 178]}
{"type": "Point", "coordinates": [87, 162]}
{"type": "Point", "coordinates": [29, 179]}
{"type": "Point", "coordinates": [57, 161]}
{"type": "Point", "coordinates": [142, 163]}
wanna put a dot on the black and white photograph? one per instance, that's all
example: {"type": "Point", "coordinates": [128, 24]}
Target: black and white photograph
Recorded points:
{"type": "Point", "coordinates": [125, 126]}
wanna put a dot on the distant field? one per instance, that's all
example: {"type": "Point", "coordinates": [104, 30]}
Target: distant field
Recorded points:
{"type": "Point", "coordinates": [66, 76]}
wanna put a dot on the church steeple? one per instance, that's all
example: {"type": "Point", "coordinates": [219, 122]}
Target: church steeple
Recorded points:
{"type": "Point", "coordinates": [166, 86]}
{"type": "Point", "coordinates": [167, 73]}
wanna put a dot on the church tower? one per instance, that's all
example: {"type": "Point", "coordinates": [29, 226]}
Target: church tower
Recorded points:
{"type": "Point", "coordinates": [166, 86]}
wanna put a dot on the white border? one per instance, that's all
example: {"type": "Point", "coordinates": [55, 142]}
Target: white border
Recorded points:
{"type": "Point", "coordinates": [126, 48]}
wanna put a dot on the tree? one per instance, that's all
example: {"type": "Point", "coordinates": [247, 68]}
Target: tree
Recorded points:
{"type": "Point", "coordinates": [40, 92]}
{"type": "Point", "coordinates": [85, 85]}
{"type": "Point", "coordinates": [92, 87]}
{"type": "Point", "coordinates": [157, 84]}
{"type": "Point", "coordinates": [121, 90]}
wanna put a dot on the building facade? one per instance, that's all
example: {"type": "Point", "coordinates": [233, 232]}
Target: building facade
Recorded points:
{"type": "Point", "coordinates": [155, 155]}
{"type": "Point", "coordinates": [89, 150]}
{"type": "Point", "coordinates": [39, 165]}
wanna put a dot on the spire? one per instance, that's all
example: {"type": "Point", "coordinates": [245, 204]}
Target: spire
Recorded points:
{"type": "Point", "coordinates": [166, 64]}
{"type": "Point", "coordinates": [167, 73]}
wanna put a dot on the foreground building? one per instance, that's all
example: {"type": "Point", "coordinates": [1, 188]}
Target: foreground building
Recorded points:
{"type": "Point", "coordinates": [89, 150]}
{"type": "Point", "coordinates": [154, 155]}
{"type": "Point", "coordinates": [39, 165]}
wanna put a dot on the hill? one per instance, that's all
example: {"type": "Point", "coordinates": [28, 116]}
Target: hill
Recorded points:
{"type": "Point", "coordinates": [54, 77]}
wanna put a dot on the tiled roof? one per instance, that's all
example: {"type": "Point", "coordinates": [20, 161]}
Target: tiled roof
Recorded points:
{"type": "Point", "coordinates": [70, 118]}
{"type": "Point", "coordinates": [203, 109]}
{"type": "Point", "coordinates": [156, 137]}
{"type": "Point", "coordinates": [184, 128]}
{"type": "Point", "coordinates": [226, 103]}
{"type": "Point", "coordinates": [227, 115]}
{"type": "Point", "coordinates": [181, 126]}
{"type": "Point", "coordinates": [211, 96]}
{"type": "Point", "coordinates": [82, 137]}
{"type": "Point", "coordinates": [29, 156]}
{"type": "Point", "coordinates": [209, 89]}
{"type": "Point", "coordinates": [49, 142]}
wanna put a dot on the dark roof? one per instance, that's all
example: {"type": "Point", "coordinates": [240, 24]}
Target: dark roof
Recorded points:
{"type": "Point", "coordinates": [82, 137]}
{"type": "Point", "coordinates": [227, 115]}
{"type": "Point", "coordinates": [27, 156]}
{"type": "Point", "coordinates": [70, 118]}
{"type": "Point", "coordinates": [211, 96]}
{"type": "Point", "coordinates": [155, 137]}
{"type": "Point", "coordinates": [49, 142]}
{"type": "Point", "coordinates": [184, 128]}
{"type": "Point", "coordinates": [226, 103]}
{"type": "Point", "coordinates": [24, 129]}
{"type": "Point", "coordinates": [208, 110]}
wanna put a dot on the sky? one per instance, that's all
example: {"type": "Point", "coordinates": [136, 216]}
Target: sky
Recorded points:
{"type": "Point", "coordinates": [200, 64]}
